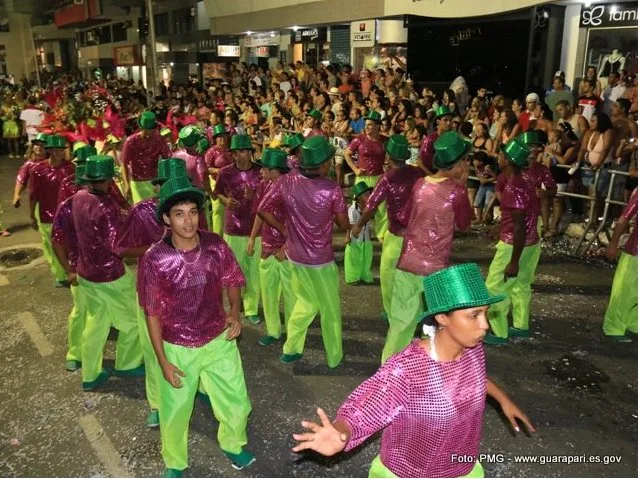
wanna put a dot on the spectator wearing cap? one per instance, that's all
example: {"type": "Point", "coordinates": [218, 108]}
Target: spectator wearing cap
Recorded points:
{"type": "Point", "coordinates": [559, 83]}
{"type": "Point", "coordinates": [531, 103]}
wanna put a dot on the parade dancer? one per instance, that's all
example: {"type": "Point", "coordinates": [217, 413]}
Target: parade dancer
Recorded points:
{"type": "Point", "coordinates": [513, 267]}
{"type": "Point", "coordinates": [65, 247]}
{"type": "Point", "coordinates": [622, 313]}
{"type": "Point", "coordinates": [371, 155]}
{"type": "Point", "coordinates": [106, 283]}
{"type": "Point", "coordinates": [312, 124]}
{"type": "Point", "coordinates": [140, 155]}
{"type": "Point", "coordinates": [292, 144]}
{"type": "Point", "coordinates": [236, 187]}
{"type": "Point", "coordinates": [38, 154]}
{"type": "Point", "coordinates": [180, 286]}
{"type": "Point", "coordinates": [358, 252]}
{"type": "Point", "coordinates": [428, 400]}
{"type": "Point", "coordinates": [138, 232]}
{"type": "Point", "coordinates": [311, 203]}
{"type": "Point", "coordinates": [44, 185]}
{"type": "Point", "coordinates": [275, 269]}
{"type": "Point", "coordinates": [437, 206]}
{"type": "Point", "coordinates": [443, 120]}
{"type": "Point", "coordinates": [394, 188]}
{"type": "Point", "coordinates": [216, 158]}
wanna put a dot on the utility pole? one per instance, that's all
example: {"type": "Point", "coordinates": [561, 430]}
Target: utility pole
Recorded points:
{"type": "Point", "coordinates": [153, 84]}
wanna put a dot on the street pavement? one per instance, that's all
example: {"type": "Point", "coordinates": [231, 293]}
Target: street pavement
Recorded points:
{"type": "Point", "coordinates": [579, 389]}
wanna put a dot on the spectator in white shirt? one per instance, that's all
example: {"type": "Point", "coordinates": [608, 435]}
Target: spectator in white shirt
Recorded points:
{"type": "Point", "coordinates": [615, 89]}
{"type": "Point", "coordinates": [32, 118]}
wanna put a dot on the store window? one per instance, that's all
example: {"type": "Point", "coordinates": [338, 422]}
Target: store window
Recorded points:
{"type": "Point", "coordinates": [119, 32]}
{"type": "Point", "coordinates": [183, 20]}
{"type": "Point", "coordinates": [104, 34]}
{"type": "Point", "coordinates": [161, 21]}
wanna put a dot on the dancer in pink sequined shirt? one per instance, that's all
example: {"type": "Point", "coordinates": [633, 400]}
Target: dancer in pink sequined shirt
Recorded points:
{"type": "Point", "coordinates": [429, 399]}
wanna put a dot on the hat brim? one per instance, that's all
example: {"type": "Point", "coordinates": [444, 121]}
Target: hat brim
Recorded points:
{"type": "Point", "coordinates": [462, 155]}
{"type": "Point", "coordinates": [330, 154]}
{"type": "Point", "coordinates": [99, 179]}
{"type": "Point", "coordinates": [396, 157]}
{"type": "Point", "coordinates": [191, 193]}
{"type": "Point", "coordinates": [443, 115]}
{"type": "Point", "coordinates": [503, 149]}
{"type": "Point", "coordinates": [360, 193]}
{"type": "Point", "coordinates": [243, 148]}
{"type": "Point", "coordinates": [473, 304]}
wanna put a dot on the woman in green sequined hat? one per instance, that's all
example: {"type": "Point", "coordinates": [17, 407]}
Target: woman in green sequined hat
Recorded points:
{"type": "Point", "coordinates": [443, 119]}
{"type": "Point", "coordinates": [428, 399]}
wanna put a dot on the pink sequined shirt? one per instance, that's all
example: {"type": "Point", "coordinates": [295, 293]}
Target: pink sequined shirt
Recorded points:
{"type": "Point", "coordinates": [310, 206]}
{"type": "Point", "coordinates": [370, 154]}
{"type": "Point", "coordinates": [242, 185]}
{"type": "Point", "coordinates": [196, 166]}
{"type": "Point", "coordinates": [69, 187]}
{"type": "Point", "coordinates": [141, 155]}
{"type": "Point", "coordinates": [272, 240]}
{"type": "Point", "coordinates": [630, 212]}
{"type": "Point", "coordinates": [25, 171]}
{"type": "Point", "coordinates": [96, 220]}
{"type": "Point", "coordinates": [63, 231]}
{"type": "Point", "coordinates": [44, 185]}
{"type": "Point", "coordinates": [184, 289]}
{"type": "Point", "coordinates": [516, 193]}
{"type": "Point", "coordinates": [216, 157]}
{"type": "Point", "coordinates": [394, 188]}
{"type": "Point", "coordinates": [140, 227]}
{"type": "Point", "coordinates": [429, 410]}
{"type": "Point", "coordinates": [428, 151]}
{"type": "Point", "coordinates": [436, 209]}
{"type": "Point", "coordinates": [538, 175]}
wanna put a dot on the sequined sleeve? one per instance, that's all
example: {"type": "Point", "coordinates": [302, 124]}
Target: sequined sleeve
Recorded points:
{"type": "Point", "coordinates": [150, 286]}
{"type": "Point", "coordinates": [355, 144]}
{"type": "Point", "coordinates": [631, 209]}
{"type": "Point", "coordinates": [547, 179]}
{"type": "Point", "coordinates": [273, 198]}
{"type": "Point", "coordinates": [221, 182]}
{"type": "Point", "coordinates": [461, 208]}
{"type": "Point", "coordinates": [61, 222]}
{"type": "Point", "coordinates": [514, 197]}
{"type": "Point", "coordinates": [339, 203]}
{"type": "Point", "coordinates": [231, 273]}
{"type": "Point", "coordinates": [379, 193]}
{"type": "Point", "coordinates": [139, 228]}
{"type": "Point", "coordinates": [24, 172]}
{"type": "Point", "coordinates": [375, 403]}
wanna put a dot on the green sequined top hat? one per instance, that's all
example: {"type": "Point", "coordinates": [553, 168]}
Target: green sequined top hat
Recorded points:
{"type": "Point", "coordinates": [398, 147]}
{"type": "Point", "coordinates": [170, 168]}
{"type": "Point", "coordinates": [450, 147]}
{"type": "Point", "coordinates": [241, 142]}
{"type": "Point", "coordinates": [219, 129]}
{"type": "Point", "coordinates": [358, 189]}
{"type": "Point", "coordinates": [443, 110]}
{"type": "Point", "coordinates": [41, 138]}
{"type": "Point", "coordinates": [315, 114]}
{"type": "Point", "coordinates": [147, 120]}
{"type": "Point", "coordinates": [81, 170]}
{"type": "Point", "coordinates": [189, 136]}
{"type": "Point", "coordinates": [315, 151]}
{"type": "Point", "coordinates": [81, 154]}
{"type": "Point", "coordinates": [99, 168]}
{"type": "Point", "coordinates": [293, 141]}
{"type": "Point", "coordinates": [456, 287]}
{"type": "Point", "coordinates": [517, 153]}
{"type": "Point", "coordinates": [274, 158]}
{"type": "Point", "coordinates": [373, 116]}
{"type": "Point", "coordinates": [177, 187]}
{"type": "Point", "coordinates": [533, 137]}
{"type": "Point", "coordinates": [55, 141]}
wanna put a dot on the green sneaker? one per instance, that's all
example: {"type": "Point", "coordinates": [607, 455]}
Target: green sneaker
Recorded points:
{"type": "Point", "coordinates": [72, 365]}
{"type": "Point", "coordinates": [620, 338]}
{"type": "Point", "coordinates": [130, 373]}
{"type": "Point", "coordinates": [168, 472]}
{"type": "Point", "coordinates": [242, 460]}
{"type": "Point", "coordinates": [519, 333]}
{"type": "Point", "coordinates": [204, 398]}
{"type": "Point", "coordinates": [290, 358]}
{"type": "Point", "coordinates": [384, 316]}
{"type": "Point", "coordinates": [153, 418]}
{"type": "Point", "coordinates": [267, 340]}
{"type": "Point", "coordinates": [254, 319]}
{"type": "Point", "coordinates": [492, 339]}
{"type": "Point", "coordinates": [97, 382]}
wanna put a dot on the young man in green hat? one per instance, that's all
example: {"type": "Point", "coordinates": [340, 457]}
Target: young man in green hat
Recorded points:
{"type": "Point", "coordinates": [140, 155]}
{"type": "Point", "coordinates": [217, 157]}
{"type": "Point", "coordinates": [621, 318]}
{"type": "Point", "coordinates": [180, 285]}
{"type": "Point", "coordinates": [443, 118]}
{"type": "Point", "coordinates": [292, 144]}
{"type": "Point", "coordinates": [275, 268]}
{"type": "Point", "coordinates": [513, 267]}
{"type": "Point", "coordinates": [369, 146]}
{"type": "Point", "coordinates": [106, 283]}
{"type": "Point", "coordinates": [311, 203]}
{"type": "Point", "coordinates": [44, 185]}
{"type": "Point", "coordinates": [394, 188]}
{"type": "Point", "coordinates": [38, 153]}
{"type": "Point", "coordinates": [312, 124]}
{"type": "Point", "coordinates": [236, 187]}
{"type": "Point", "coordinates": [438, 205]}
{"type": "Point", "coordinates": [358, 253]}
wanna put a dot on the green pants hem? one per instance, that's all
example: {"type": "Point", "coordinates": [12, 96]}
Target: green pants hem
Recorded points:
{"type": "Point", "coordinates": [622, 313]}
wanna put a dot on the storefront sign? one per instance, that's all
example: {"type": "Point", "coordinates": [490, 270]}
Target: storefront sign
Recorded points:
{"type": "Point", "coordinates": [609, 15]}
{"type": "Point", "coordinates": [208, 45]}
{"type": "Point", "coordinates": [310, 35]}
{"type": "Point", "coordinates": [228, 50]}
{"type": "Point", "coordinates": [262, 39]}
{"type": "Point", "coordinates": [262, 52]}
{"type": "Point", "coordinates": [363, 34]}
{"type": "Point", "coordinates": [125, 56]}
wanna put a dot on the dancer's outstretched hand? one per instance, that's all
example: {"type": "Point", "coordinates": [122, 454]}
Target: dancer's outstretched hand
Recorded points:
{"type": "Point", "coordinates": [513, 412]}
{"type": "Point", "coordinates": [323, 438]}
